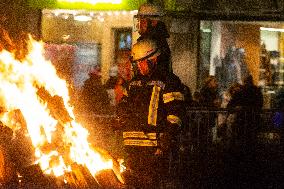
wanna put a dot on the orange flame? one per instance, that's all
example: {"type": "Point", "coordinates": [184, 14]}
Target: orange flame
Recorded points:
{"type": "Point", "coordinates": [19, 83]}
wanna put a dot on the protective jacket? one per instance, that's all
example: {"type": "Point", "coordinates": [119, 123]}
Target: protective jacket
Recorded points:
{"type": "Point", "coordinates": [152, 111]}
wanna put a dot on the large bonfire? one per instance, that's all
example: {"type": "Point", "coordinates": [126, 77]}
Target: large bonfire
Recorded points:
{"type": "Point", "coordinates": [32, 88]}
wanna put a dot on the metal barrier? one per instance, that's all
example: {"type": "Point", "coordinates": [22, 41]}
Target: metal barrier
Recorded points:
{"type": "Point", "coordinates": [220, 144]}
{"type": "Point", "coordinates": [207, 127]}
{"type": "Point", "coordinates": [217, 148]}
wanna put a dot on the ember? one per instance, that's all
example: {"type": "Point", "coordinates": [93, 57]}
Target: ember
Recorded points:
{"type": "Point", "coordinates": [35, 101]}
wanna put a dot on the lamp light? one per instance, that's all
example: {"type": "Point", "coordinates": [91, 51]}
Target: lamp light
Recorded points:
{"type": "Point", "coordinates": [82, 18]}
{"type": "Point", "coordinates": [272, 29]}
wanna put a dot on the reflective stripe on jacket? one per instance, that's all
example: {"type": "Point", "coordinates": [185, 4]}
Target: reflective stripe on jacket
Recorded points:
{"type": "Point", "coordinates": [153, 105]}
{"type": "Point", "coordinates": [137, 138]}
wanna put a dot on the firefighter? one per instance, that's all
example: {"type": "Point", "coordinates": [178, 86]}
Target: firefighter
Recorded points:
{"type": "Point", "coordinates": [151, 115]}
{"type": "Point", "coordinates": [149, 24]}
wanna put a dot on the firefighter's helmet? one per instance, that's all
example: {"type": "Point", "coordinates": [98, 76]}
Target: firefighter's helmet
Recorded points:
{"type": "Point", "coordinates": [150, 10]}
{"type": "Point", "coordinates": [144, 49]}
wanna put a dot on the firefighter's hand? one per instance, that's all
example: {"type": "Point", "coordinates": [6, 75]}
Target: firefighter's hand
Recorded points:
{"type": "Point", "coordinates": [158, 152]}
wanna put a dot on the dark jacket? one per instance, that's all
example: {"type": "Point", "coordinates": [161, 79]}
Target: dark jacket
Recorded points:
{"type": "Point", "coordinates": [154, 105]}
{"type": "Point", "coordinates": [249, 97]}
{"type": "Point", "coordinates": [94, 96]}
{"type": "Point", "coordinates": [209, 96]}
{"type": "Point", "coordinates": [249, 102]}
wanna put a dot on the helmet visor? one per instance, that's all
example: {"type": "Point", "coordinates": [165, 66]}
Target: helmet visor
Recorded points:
{"type": "Point", "coordinates": [139, 21]}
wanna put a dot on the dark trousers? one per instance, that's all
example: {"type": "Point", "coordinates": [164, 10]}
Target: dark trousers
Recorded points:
{"type": "Point", "coordinates": [146, 170]}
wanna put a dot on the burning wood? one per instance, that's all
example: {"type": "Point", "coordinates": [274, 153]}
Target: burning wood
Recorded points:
{"type": "Point", "coordinates": [5, 40]}
{"type": "Point", "coordinates": [108, 179]}
{"type": "Point", "coordinates": [33, 177]}
{"type": "Point", "coordinates": [7, 169]}
{"type": "Point", "coordinates": [56, 106]}
{"type": "Point", "coordinates": [80, 177]}
{"type": "Point", "coordinates": [36, 104]}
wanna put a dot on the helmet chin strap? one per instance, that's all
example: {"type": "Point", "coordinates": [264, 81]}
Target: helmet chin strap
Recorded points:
{"type": "Point", "coordinates": [135, 68]}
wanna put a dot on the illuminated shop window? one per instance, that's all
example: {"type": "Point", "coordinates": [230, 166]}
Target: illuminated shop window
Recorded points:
{"type": "Point", "coordinates": [231, 50]}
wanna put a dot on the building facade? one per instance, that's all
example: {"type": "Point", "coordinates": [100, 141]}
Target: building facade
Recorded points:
{"type": "Point", "coordinates": [202, 35]}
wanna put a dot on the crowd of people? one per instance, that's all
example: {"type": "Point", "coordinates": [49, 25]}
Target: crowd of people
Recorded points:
{"type": "Point", "coordinates": [246, 97]}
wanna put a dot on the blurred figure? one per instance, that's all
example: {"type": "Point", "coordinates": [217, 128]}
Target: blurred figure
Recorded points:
{"type": "Point", "coordinates": [250, 96]}
{"type": "Point", "coordinates": [209, 96]}
{"type": "Point", "coordinates": [119, 89]}
{"type": "Point", "coordinates": [115, 86]}
{"type": "Point", "coordinates": [187, 96]}
{"type": "Point", "coordinates": [150, 25]}
{"type": "Point", "coordinates": [249, 102]}
{"type": "Point", "coordinates": [196, 99]}
{"type": "Point", "coordinates": [94, 95]}
{"type": "Point", "coordinates": [209, 99]}
{"type": "Point", "coordinates": [234, 67]}
{"type": "Point", "coordinates": [226, 121]}
{"type": "Point", "coordinates": [111, 83]}
{"type": "Point", "coordinates": [265, 64]}
{"type": "Point", "coordinates": [278, 118]}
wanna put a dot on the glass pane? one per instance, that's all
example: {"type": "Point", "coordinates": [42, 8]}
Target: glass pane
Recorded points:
{"type": "Point", "coordinates": [232, 50]}
{"type": "Point", "coordinates": [125, 40]}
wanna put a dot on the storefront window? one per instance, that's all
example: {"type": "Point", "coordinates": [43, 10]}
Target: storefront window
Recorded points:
{"type": "Point", "coordinates": [124, 40]}
{"type": "Point", "coordinates": [231, 50]}
{"type": "Point", "coordinates": [93, 39]}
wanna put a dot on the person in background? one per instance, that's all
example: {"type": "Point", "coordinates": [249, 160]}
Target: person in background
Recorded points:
{"type": "Point", "coordinates": [94, 96]}
{"type": "Point", "coordinates": [245, 106]}
{"type": "Point", "coordinates": [265, 64]}
{"type": "Point", "coordinates": [196, 99]}
{"type": "Point", "coordinates": [209, 96]}
{"type": "Point", "coordinates": [115, 86]}
{"type": "Point", "coordinates": [187, 96]}
{"type": "Point", "coordinates": [248, 103]}
{"type": "Point", "coordinates": [151, 117]}
{"type": "Point", "coordinates": [278, 117]}
{"type": "Point", "coordinates": [110, 84]}
{"type": "Point", "coordinates": [226, 120]}
{"type": "Point", "coordinates": [119, 89]}
{"type": "Point", "coordinates": [209, 99]}
{"type": "Point", "coordinates": [249, 97]}
{"type": "Point", "coordinates": [150, 25]}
